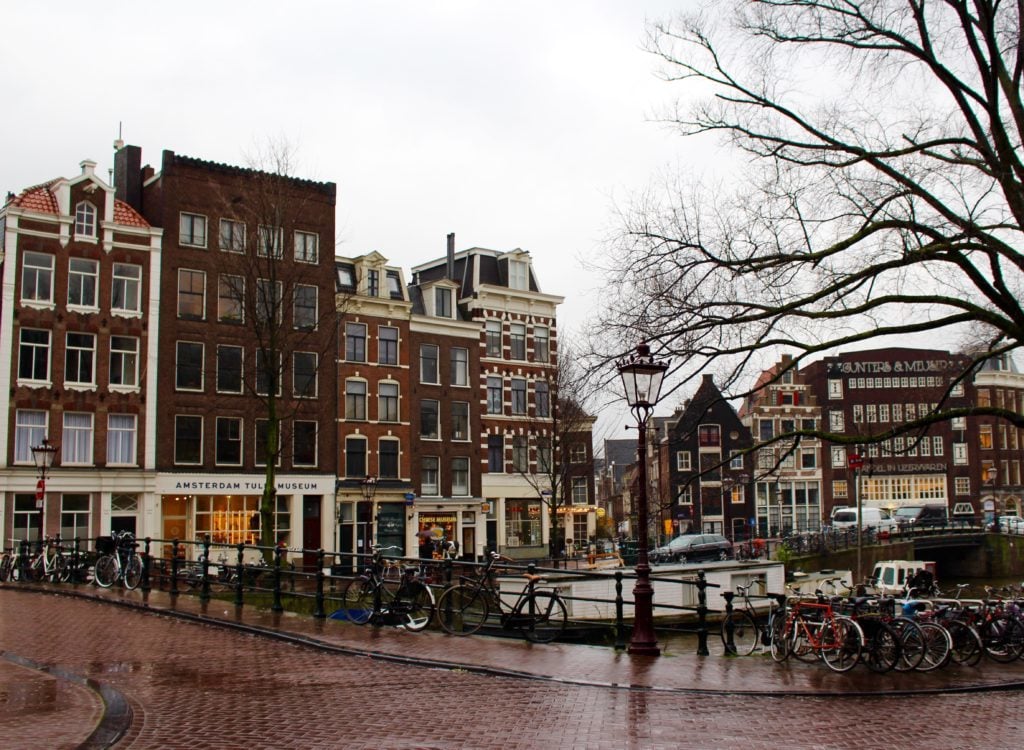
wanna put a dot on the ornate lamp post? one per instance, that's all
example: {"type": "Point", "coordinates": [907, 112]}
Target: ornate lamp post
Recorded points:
{"type": "Point", "coordinates": [368, 487]}
{"type": "Point", "coordinates": [641, 378]}
{"type": "Point", "coordinates": [43, 456]}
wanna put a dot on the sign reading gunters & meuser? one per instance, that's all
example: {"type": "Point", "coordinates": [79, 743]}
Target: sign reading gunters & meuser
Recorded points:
{"type": "Point", "coordinates": [242, 484]}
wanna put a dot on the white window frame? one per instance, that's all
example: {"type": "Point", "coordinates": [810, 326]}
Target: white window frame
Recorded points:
{"type": "Point", "coordinates": [241, 368]}
{"type": "Point", "coordinates": [315, 380]}
{"type": "Point", "coordinates": [307, 321]}
{"type": "Point", "coordinates": [835, 388]}
{"type": "Point", "coordinates": [85, 221]}
{"type": "Point", "coordinates": [177, 365]}
{"type": "Point", "coordinates": [460, 366]}
{"type": "Point", "coordinates": [264, 241]}
{"type": "Point", "coordinates": [230, 298]}
{"type": "Point", "coordinates": [30, 427]}
{"type": "Point", "coordinates": [79, 280]}
{"type": "Point", "coordinates": [356, 396]}
{"type": "Point", "coordinates": [127, 278]}
{"type": "Point", "coordinates": [960, 454]}
{"type": "Point", "coordinates": [683, 461]}
{"type": "Point", "coordinates": [580, 493]}
{"type": "Point", "coordinates": [436, 374]}
{"type": "Point", "coordinates": [74, 355]}
{"type": "Point", "coordinates": [47, 350]}
{"type": "Point", "coordinates": [122, 431]}
{"type": "Point", "coordinates": [518, 275]}
{"type": "Point", "coordinates": [38, 273]}
{"type": "Point", "coordinates": [430, 464]}
{"type": "Point", "coordinates": [389, 404]}
{"type": "Point", "coordinates": [307, 247]}
{"type": "Point", "coordinates": [231, 236]}
{"type": "Point", "coordinates": [192, 229]}
{"type": "Point", "coordinates": [76, 447]}
{"type": "Point", "coordinates": [460, 467]}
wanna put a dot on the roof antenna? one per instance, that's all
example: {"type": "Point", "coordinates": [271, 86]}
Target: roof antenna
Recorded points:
{"type": "Point", "coordinates": [118, 144]}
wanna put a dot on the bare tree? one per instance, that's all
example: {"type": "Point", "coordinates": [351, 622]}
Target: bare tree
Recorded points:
{"type": "Point", "coordinates": [880, 190]}
{"type": "Point", "coordinates": [280, 290]}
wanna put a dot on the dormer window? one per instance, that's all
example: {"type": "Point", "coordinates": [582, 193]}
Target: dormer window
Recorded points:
{"type": "Point", "coordinates": [518, 275]}
{"type": "Point", "coordinates": [443, 302]}
{"type": "Point", "coordinates": [394, 285]}
{"type": "Point", "coordinates": [85, 220]}
{"type": "Point", "coordinates": [346, 277]}
{"type": "Point", "coordinates": [373, 283]}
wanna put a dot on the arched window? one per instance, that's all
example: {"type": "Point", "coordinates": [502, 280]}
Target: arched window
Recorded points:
{"type": "Point", "coordinates": [85, 220]}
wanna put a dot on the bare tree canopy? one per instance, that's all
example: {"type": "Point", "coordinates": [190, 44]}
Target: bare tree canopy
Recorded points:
{"type": "Point", "coordinates": [880, 191]}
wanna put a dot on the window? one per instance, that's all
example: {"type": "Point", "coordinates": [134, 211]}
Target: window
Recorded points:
{"type": "Point", "coordinates": [304, 307]}
{"type": "Point", "coordinates": [268, 374]}
{"type": "Point", "coordinates": [306, 244]}
{"type": "Point", "coordinates": [766, 429]}
{"type": "Point", "coordinates": [520, 454]}
{"type": "Point", "coordinates": [430, 415]}
{"type": "Point", "coordinates": [268, 302]}
{"type": "Point", "coordinates": [229, 441]}
{"type": "Point", "coordinates": [937, 446]}
{"type": "Point", "coordinates": [960, 454]}
{"type": "Point", "coordinates": [192, 230]}
{"type": "Point", "coordinates": [985, 436]}
{"type": "Point", "coordinates": [304, 374]}
{"type": "Point", "coordinates": [460, 420]}
{"type": "Point", "coordinates": [126, 288]}
{"type": "Point", "coordinates": [387, 345]}
{"type": "Point", "coordinates": [493, 338]}
{"type": "Point", "coordinates": [27, 518]}
{"type": "Point", "coordinates": [858, 413]}
{"type": "Point", "coordinates": [835, 421]}
{"type": "Point", "coordinates": [36, 277]}
{"type": "Point", "coordinates": [355, 457]}
{"type": "Point", "coordinates": [544, 455]}
{"type": "Point", "coordinates": [34, 355]}
{"type": "Point", "coordinates": [460, 476]}
{"type": "Point", "coordinates": [897, 413]}
{"type": "Point", "coordinates": [883, 412]}
{"type": "Point", "coordinates": [494, 385]}
{"type": "Point", "coordinates": [579, 491]}
{"type": "Point", "coordinates": [76, 445]}
{"type": "Point", "coordinates": [304, 443]}
{"type": "Point", "coordinates": [355, 399]}
{"type": "Point", "coordinates": [838, 457]}
{"type": "Point", "coordinates": [522, 522]}
{"type": "Point", "coordinates": [684, 495]}
{"type": "Point", "coordinates": [191, 294]}
{"type": "Point", "coordinates": [839, 488]}
{"type": "Point", "coordinates": [387, 402]}
{"type": "Point", "coordinates": [394, 283]}
{"type": "Point", "coordinates": [373, 283]}
{"type": "Point", "coordinates": [232, 236]}
{"type": "Point", "coordinates": [29, 430]}
{"type": "Point", "coordinates": [736, 460]}
{"type": "Point", "coordinates": [495, 453]}
{"type": "Point", "coordinates": [229, 369]}
{"type": "Point", "coordinates": [962, 485]}
{"type": "Point", "coordinates": [80, 358]}
{"type": "Point", "coordinates": [121, 430]}
{"type": "Point", "coordinates": [269, 242]}
{"type": "Point", "coordinates": [872, 413]}
{"type": "Point", "coordinates": [74, 516]}
{"type": "Point", "coordinates": [709, 435]}
{"type": "Point", "coordinates": [541, 344]}
{"type": "Point", "coordinates": [808, 458]}
{"type": "Point", "coordinates": [683, 461]}
{"type": "Point", "coordinates": [355, 342]}
{"type": "Point", "coordinates": [809, 425]}
{"type": "Point", "coordinates": [428, 364]}
{"type": "Point", "coordinates": [541, 399]}
{"type": "Point", "coordinates": [387, 459]}
{"type": "Point", "coordinates": [346, 277]}
{"type": "Point", "coordinates": [230, 298]}
{"type": "Point", "coordinates": [517, 338]}
{"type": "Point", "coordinates": [189, 366]}
{"type": "Point", "coordinates": [835, 388]}
{"type": "Point", "coordinates": [188, 440]}
{"type": "Point", "coordinates": [578, 453]}
{"type": "Point", "coordinates": [82, 278]}
{"type": "Point", "coordinates": [124, 361]}
{"type": "Point", "coordinates": [518, 273]}
{"type": "Point", "coordinates": [85, 220]}
{"type": "Point", "coordinates": [442, 302]}
{"type": "Point", "coordinates": [429, 480]}
{"type": "Point", "coordinates": [460, 366]}
{"type": "Point", "coordinates": [261, 444]}
{"type": "Point", "coordinates": [518, 396]}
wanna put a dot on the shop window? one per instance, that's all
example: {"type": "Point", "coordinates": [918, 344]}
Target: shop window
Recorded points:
{"type": "Point", "coordinates": [522, 523]}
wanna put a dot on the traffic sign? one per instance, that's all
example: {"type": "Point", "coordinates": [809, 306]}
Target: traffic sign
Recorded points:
{"type": "Point", "coordinates": [856, 461]}
{"type": "Point", "coordinates": [40, 489]}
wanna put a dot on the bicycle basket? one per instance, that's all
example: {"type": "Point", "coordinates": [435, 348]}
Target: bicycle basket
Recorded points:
{"type": "Point", "coordinates": [105, 545]}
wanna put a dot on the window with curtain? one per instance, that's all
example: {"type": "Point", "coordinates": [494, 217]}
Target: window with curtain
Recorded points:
{"type": "Point", "coordinates": [76, 444]}
{"type": "Point", "coordinates": [29, 430]}
{"type": "Point", "coordinates": [121, 439]}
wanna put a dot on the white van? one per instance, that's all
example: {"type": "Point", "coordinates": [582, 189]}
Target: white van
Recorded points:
{"type": "Point", "coordinates": [874, 518]}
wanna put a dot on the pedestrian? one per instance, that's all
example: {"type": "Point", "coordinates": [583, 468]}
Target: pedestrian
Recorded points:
{"type": "Point", "coordinates": [426, 537]}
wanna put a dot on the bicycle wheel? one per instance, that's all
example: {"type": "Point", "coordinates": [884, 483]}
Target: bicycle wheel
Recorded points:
{"type": "Point", "coordinates": [911, 643]}
{"type": "Point", "coordinates": [60, 570]}
{"type": "Point", "coordinates": [780, 638]}
{"type": "Point", "coordinates": [967, 646]}
{"type": "Point", "coordinates": [937, 647]}
{"type": "Point", "coordinates": [132, 572]}
{"type": "Point", "coordinates": [841, 643]}
{"type": "Point", "coordinates": [418, 601]}
{"type": "Point", "coordinates": [106, 571]}
{"type": "Point", "coordinates": [744, 633]}
{"type": "Point", "coordinates": [1002, 638]}
{"type": "Point", "coordinates": [541, 616]}
{"type": "Point", "coordinates": [462, 609]}
{"type": "Point", "coordinates": [882, 650]}
{"type": "Point", "coordinates": [358, 600]}
{"type": "Point", "coordinates": [5, 568]}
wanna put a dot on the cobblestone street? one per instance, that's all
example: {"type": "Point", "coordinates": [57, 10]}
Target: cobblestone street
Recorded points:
{"type": "Point", "coordinates": [197, 686]}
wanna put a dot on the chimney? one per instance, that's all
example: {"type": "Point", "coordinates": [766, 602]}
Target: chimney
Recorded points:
{"type": "Point", "coordinates": [128, 176]}
{"type": "Point", "coordinates": [450, 266]}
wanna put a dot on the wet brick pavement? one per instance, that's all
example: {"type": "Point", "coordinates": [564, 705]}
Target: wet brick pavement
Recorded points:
{"type": "Point", "coordinates": [195, 685]}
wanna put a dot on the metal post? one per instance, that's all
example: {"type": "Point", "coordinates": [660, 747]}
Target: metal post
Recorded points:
{"type": "Point", "coordinates": [702, 614]}
{"type": "Point", "coordinates": [174, 567]}
{"type": "Point", "coordinates": [147, 561]}
{"type": "Point", "coordinates": [76, 556]}
{"type": "Point", "coordinates": [860, 524]}
{"type": "Point", "coordinates": [620, 622]}
{"type": "Point", "coordinates": [643, 641]}
{"type": "Point", "coordinates": [239, 576]}
{"type": "Point", "coordinates": [277, 606]}
{"type": "Point", "coordinates": [204, 572]}
{"type": "Point", "coordinates": [730, 645]}
{"type": "Point", "coordinates": [318, 612]}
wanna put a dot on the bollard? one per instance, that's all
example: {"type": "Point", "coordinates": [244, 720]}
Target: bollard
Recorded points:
{"type": "Point", "coordinates": [702, 614]}
{"type": "Point", "coordinates": [620, 623]}
{"type": "Point", "coordinates": [76, 556]}
{"type": "Point", "coordinates": [174, 567]}
{"type": "Point", "coordinates": [204, 571]}
{"type": "Point", "coordinates": [730, 645]}
{"type": "Point", "coordinates": [147, 561]}
{"type": "Point", "coordinates": [447, 569]}
{"type": "Point", "coordinates": [318, 611]}
{"type": "Point", "coordinates": [240, 576]}
{"type": "Point", "coordinates": [277, 606]}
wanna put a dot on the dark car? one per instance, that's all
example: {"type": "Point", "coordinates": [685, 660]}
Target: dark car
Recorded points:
{"type": "Point", "coordinates": [921, 515]}
{"type": "Point", "coordinates": [692, 547]}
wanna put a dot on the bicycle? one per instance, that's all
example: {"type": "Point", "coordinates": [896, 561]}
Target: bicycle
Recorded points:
{"type": "Point", "coordinates": [118, 560]}
{"type": "Point", "coordinates": [744, 629]}
{"type": "Point", "coordinates": [814, 627]}
{"type": "Point", "coordinates": [370, 597]}
{"type": "Point", "coordinates": [539, 615]}
{"type": "Point", "coordinates": [49, 563]}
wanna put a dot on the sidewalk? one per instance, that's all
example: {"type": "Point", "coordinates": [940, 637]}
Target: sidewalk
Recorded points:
{"type": "Point", "coordinates": [558, 662]}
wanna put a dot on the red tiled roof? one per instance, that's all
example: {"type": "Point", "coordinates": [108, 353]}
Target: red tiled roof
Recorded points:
{"type": "Point", "coordinates": [41, 198]}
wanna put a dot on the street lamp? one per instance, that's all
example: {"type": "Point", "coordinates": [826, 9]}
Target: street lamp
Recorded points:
{"type": "Point", "coordinates": [641, 378]}
{"type": "Point", "coordinates": [368, 486]}
{"type": "Point", "coordinates": [43, 455]}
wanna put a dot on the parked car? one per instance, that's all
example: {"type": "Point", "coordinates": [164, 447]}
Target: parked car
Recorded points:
{"type": "Point", "coordinates": [918, 516]}
{"type": "Point", "coordinates": [692, 547]}
{"type": "Point", "coordinates": [1010, 524]}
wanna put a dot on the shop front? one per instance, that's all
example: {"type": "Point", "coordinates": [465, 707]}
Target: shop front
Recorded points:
{"type": "Point", "coordinates": [452, 529]}
{"type": "Point", "coordinates": [227, 509]}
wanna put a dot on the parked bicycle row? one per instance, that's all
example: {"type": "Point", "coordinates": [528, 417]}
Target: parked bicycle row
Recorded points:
{"type": "Point", "coordinates": [884, 633]}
